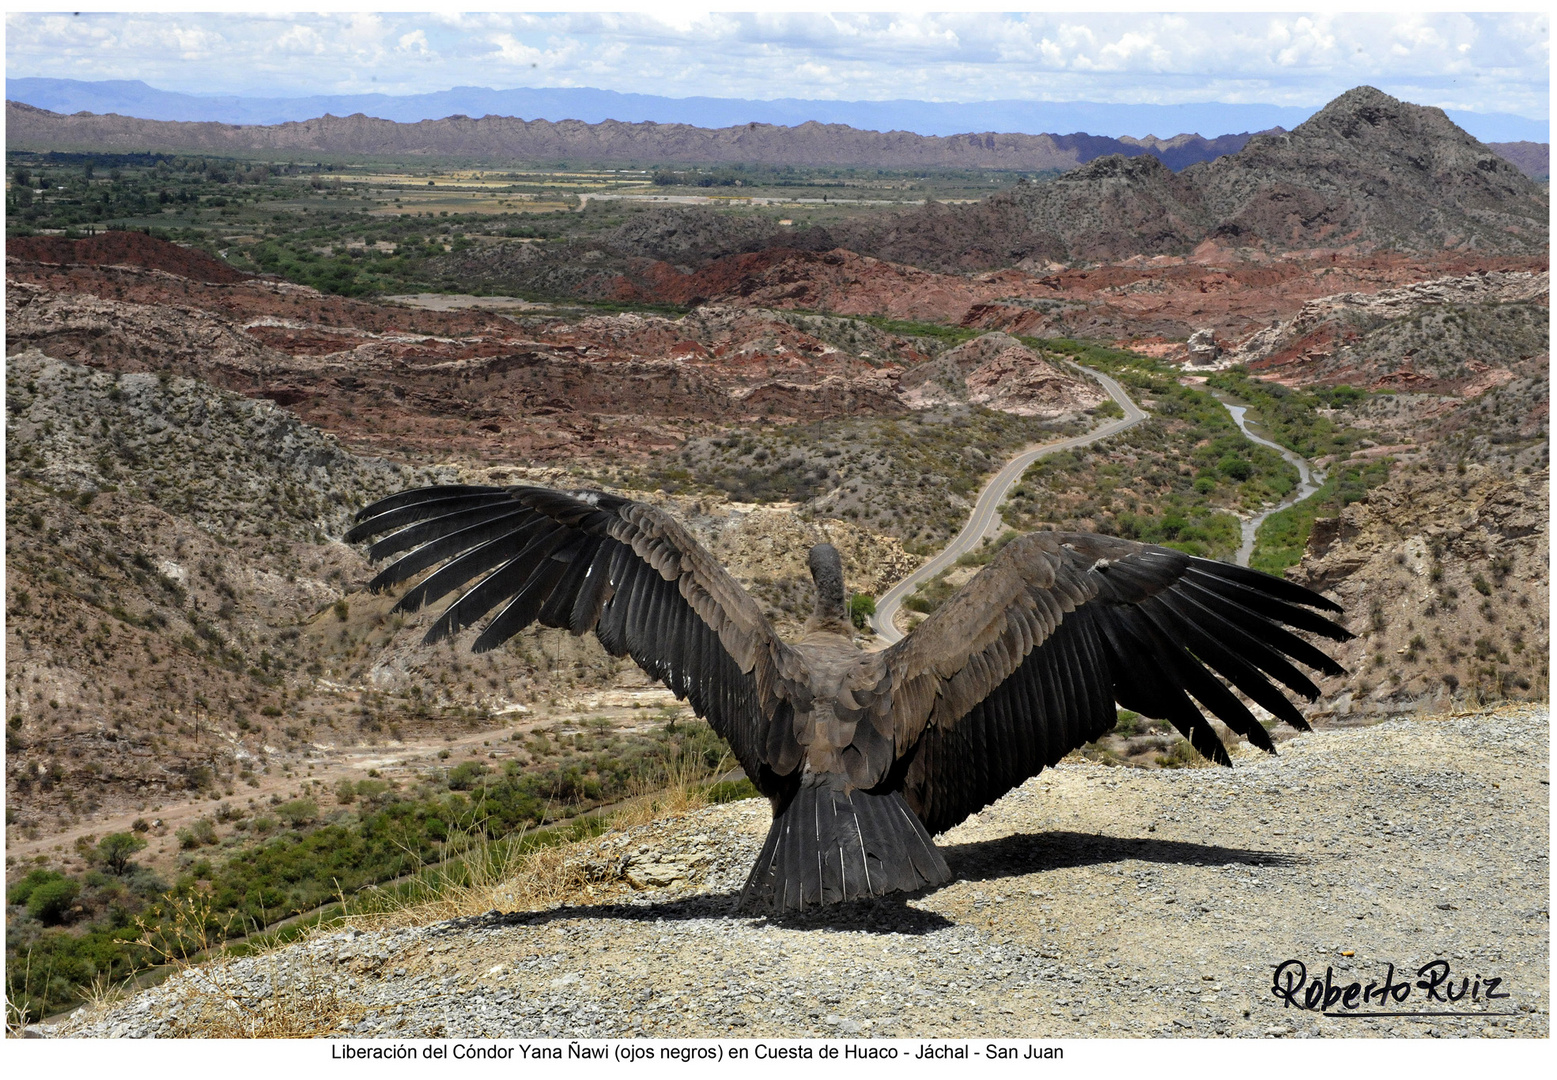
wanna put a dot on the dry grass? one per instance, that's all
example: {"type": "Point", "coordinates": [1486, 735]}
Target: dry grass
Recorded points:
{"type": "Point", "coordinates": [217, 992]}
{"type": "Point", "coordinates": [480, 874]}
{"type": "Point", "coordinates": [683, 789]}
{"type": "Point", "coordinates": [302, 1003]}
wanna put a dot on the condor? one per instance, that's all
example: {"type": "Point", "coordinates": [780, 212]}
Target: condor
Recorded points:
{"type": "Point", "coordinates": [867, 755]}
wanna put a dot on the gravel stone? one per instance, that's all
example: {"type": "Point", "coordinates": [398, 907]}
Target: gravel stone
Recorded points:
{"type": "Point", "coordinates": [1092, 901]}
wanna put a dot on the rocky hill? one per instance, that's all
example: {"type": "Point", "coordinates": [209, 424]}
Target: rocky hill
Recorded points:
{"type": "Point", "coordinates": [1370, 169]}
{"type": "Point", "coordinates": [1366, 172]}
{"type": "Point", "coordinates": [182, 617]}
{"type": "Point", "coordinates": [167, 542]}
{"type": "Point", "coordinates": [1452, 334]}
{"type": "Point", "coordinates": [118, 247]}
{"type": "Point", "coordinates": [510, 139]}
{"type": "Point", "coordinates": [999, 372]}
{"type": "Point", "coordinates": [1531, 158]}
{"type": "Point", "coordinates": [1446, 573]}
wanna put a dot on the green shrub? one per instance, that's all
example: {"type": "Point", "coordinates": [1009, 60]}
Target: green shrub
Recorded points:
{"type": "Point", "coordinates": [861, 607]}
{"type": "Point", "coordinates": [115, 851]}
{"type": "Point", "coordinates": [298, 812]}
{"type": "Point", "coordinates": [21, 890]}
{"type": "Point", "coordinates": [50, 902]}
{"type": "Point", "coordinates": [466, 775]}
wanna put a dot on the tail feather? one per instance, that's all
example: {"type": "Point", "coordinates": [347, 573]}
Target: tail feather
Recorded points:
{"type": "Point", "coordinates": [832, 843]}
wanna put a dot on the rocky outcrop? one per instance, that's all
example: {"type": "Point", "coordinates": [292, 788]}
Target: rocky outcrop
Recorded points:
{"type": "Point", "coordinates": [1446, 330]}
{"type": "Point", "coordinates": [1202, 348]}
{"type": "Point", "coordinates": [1444, 577]}
{"type": "Point", "coordinates": [998, 372]}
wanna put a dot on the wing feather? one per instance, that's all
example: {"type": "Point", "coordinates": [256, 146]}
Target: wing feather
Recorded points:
{"type": "Point", "coordinates": [1031, 658]}
{"type": "Point", "coordinates": [589, 561]}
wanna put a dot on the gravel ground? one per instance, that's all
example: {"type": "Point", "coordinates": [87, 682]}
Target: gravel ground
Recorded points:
{"type": "Point", "coordinates": [1093, 901]}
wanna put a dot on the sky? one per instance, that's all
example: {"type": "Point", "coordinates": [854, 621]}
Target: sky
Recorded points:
{"type": "Point", "coordinates": [1480, 62]}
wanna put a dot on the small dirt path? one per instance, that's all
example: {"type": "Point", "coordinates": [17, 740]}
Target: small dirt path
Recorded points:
{"type": "Point", "coordinates": [293, 777]}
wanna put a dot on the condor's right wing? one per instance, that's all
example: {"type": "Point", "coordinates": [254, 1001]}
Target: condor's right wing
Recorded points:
{"type": "Point", "coordinates": [592, 561]}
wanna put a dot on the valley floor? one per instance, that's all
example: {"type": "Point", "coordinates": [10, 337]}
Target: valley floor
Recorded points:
{"type": "Point", "coordinates": [1091, 902]}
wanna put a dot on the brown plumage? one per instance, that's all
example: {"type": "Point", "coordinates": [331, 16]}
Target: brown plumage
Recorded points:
{"type": "Point", "coordinates": [866, 755]}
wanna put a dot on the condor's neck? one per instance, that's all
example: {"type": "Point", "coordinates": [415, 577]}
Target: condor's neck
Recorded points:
{"type": "Point", "coordinates": [828, 624]}
{"type": "Point", "coordinates": [831, 614]}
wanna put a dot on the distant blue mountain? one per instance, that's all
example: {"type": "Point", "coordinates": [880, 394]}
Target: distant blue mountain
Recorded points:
{"type": "Point", "coordinates": [135, 98]}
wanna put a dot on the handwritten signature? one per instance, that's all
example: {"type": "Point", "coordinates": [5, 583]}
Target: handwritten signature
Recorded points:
{"type": "Point", "coordinates": [1293, 985]}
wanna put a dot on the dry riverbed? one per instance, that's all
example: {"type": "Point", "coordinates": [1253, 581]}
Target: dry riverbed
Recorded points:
{"type": "Point", "coordinates": [1093, 901]}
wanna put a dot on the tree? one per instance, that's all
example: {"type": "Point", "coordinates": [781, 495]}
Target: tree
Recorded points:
{"type": "Point", "coordinates": [115, 850]}
{"type": "Point", "coordinates": [861, 607]}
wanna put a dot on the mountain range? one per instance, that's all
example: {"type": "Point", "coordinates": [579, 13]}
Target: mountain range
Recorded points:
{"type": "Point", "coordinates": [135, 98]}
{"type": "Point", "coordinates": [1366, 172]}
{"type": "Point", "coordinates": [503, 138]}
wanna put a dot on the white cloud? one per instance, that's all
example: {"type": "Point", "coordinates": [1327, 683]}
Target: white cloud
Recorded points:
{"type": "Point", "coordinates": [1486, 62]}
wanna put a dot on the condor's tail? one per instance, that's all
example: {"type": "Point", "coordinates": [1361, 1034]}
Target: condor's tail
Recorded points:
{"type": "Point", "coordinates": [832, 843]}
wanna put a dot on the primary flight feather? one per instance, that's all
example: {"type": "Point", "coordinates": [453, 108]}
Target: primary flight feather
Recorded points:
{"type": "Point", "coordinates": [865, 756]}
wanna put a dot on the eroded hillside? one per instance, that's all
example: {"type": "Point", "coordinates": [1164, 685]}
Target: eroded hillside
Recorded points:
{"type": "Point", "coordinates": [192, 655]}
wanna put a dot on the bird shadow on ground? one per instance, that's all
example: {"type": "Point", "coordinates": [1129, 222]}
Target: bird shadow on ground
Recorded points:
{"type": "Point", "coordinates": [1028, 853]}
{"type": "Point", "coordinates": [883, 914]}
{"type": "Point", "coordinates": [982, 860]}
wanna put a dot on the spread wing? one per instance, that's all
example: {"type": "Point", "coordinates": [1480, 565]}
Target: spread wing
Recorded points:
{"type": "Point", "coordinates": [591, 561]}
{"type": "Point", "coordinates": [1026, 662]}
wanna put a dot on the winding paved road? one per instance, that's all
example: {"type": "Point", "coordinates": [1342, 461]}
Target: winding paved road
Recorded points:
{"type": "Point", "coordinates": [987, 509]}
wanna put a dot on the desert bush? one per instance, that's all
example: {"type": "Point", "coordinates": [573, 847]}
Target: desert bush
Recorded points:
{"type": "Point", "coordinates": [298, 812]}
{"type": "Point", "coordinates": [861, 607]}
{"type": "Point", "coordinates": [115, 851]}
{"type": "Point", "coordinates": [50, 902]}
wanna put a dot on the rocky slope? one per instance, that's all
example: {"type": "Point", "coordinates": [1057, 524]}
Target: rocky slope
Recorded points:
{"type": "Point", "coordinates": [182, 616]}
{"type": "Point", "coordinates": [1440, 334]}
{"type": "Point", "coordinates": [1234, 292]}
{"type": "Point", "coordinates": [1090, 902]}
{"type": "Point", "coordinates": [487, 386]}
{"type": "Point", "coordinates": [999, 372]}
{"type": "Point", "coordinates": [119, 248]}
{"type": "Point", "coordinates": [167, 543]}
{"type": "Point", "coordinates": [1445, 574]}
{"type": "Point", "coordinates": [510, 139]}
{"type": "Point", "coordinates": [1366, 172]}
{"type": "Point", "coordinates": [174, 566]}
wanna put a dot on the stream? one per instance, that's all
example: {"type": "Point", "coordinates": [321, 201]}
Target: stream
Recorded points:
{"type": "Point", "coordinates": [1310, 482]}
